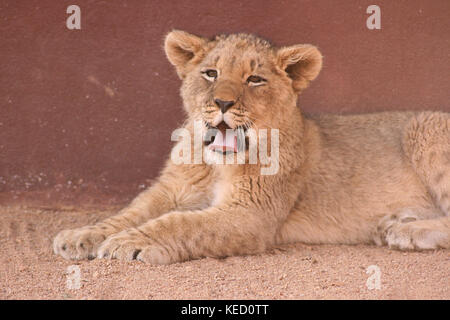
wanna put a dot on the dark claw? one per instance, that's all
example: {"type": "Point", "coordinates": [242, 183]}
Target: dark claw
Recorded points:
{"type": "Point", "coordinates": [135, 253]}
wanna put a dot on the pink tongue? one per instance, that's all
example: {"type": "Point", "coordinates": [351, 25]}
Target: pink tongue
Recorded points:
{"type": "Point", "coordinates": [224, 144]}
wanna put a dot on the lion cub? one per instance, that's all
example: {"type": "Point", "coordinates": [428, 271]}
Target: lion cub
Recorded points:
{"type": "Point", "coordinates": [376, 178]}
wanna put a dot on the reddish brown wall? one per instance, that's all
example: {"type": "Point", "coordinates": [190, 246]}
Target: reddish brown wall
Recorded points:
{"type": "Point", "coordinates": [91, 111]}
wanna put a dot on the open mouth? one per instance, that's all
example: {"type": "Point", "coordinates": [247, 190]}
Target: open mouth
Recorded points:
{"type": "Point", "coordinates": [223, 139]}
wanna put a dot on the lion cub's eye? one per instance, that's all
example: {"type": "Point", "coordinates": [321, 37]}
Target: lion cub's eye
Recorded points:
{"type": "Point", "coordinates": [256, 81]}
{"type": "Point", "coordinates": [210, 74]}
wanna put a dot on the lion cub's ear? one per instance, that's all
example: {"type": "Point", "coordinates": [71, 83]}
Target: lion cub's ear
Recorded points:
{"type": "Point", "coordinates": [301, 62]}
{"type": "Point", "coordinates": [184, 50]}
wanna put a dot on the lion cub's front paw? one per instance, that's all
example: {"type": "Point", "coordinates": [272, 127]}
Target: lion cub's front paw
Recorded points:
{"type": "Point", "coordinates": [78, 244]}
{"type": "Point", "coordinates": [129, 245]}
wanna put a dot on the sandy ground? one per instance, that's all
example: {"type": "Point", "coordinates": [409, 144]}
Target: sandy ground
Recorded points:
{"type": "Point", "coordinates": [30, 270]}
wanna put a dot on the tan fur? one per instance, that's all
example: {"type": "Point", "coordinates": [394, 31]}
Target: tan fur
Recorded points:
{"type": "Point", "coordinates": [382, 178]}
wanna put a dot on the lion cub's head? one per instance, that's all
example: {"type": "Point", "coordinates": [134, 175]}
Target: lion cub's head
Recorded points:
{"type": "Point", "coordinates": [240, 81]}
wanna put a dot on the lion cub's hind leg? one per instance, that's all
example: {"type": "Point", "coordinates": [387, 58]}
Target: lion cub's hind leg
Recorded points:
{"type": "Point", "coordinates": [407, 231]}
{"type": "Point", "coordinates": [427, 144]}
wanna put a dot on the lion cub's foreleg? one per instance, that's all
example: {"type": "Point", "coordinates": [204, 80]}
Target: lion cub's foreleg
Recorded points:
{"type": "Point", "coordinates": [180, 236]}
{"type": "Point", "coordinates": [243, 220]}
{"type": "Point", "coordinates": [178, 188]}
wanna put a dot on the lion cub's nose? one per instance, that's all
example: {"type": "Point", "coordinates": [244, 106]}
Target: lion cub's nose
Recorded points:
{"type": "Point", "coordinates": [224, 105]}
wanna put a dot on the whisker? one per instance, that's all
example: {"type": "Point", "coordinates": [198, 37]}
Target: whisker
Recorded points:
{"type": "Point", "coordinates": [254, 119]}
{"type": "Point", "coordinates": [263, 122]}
